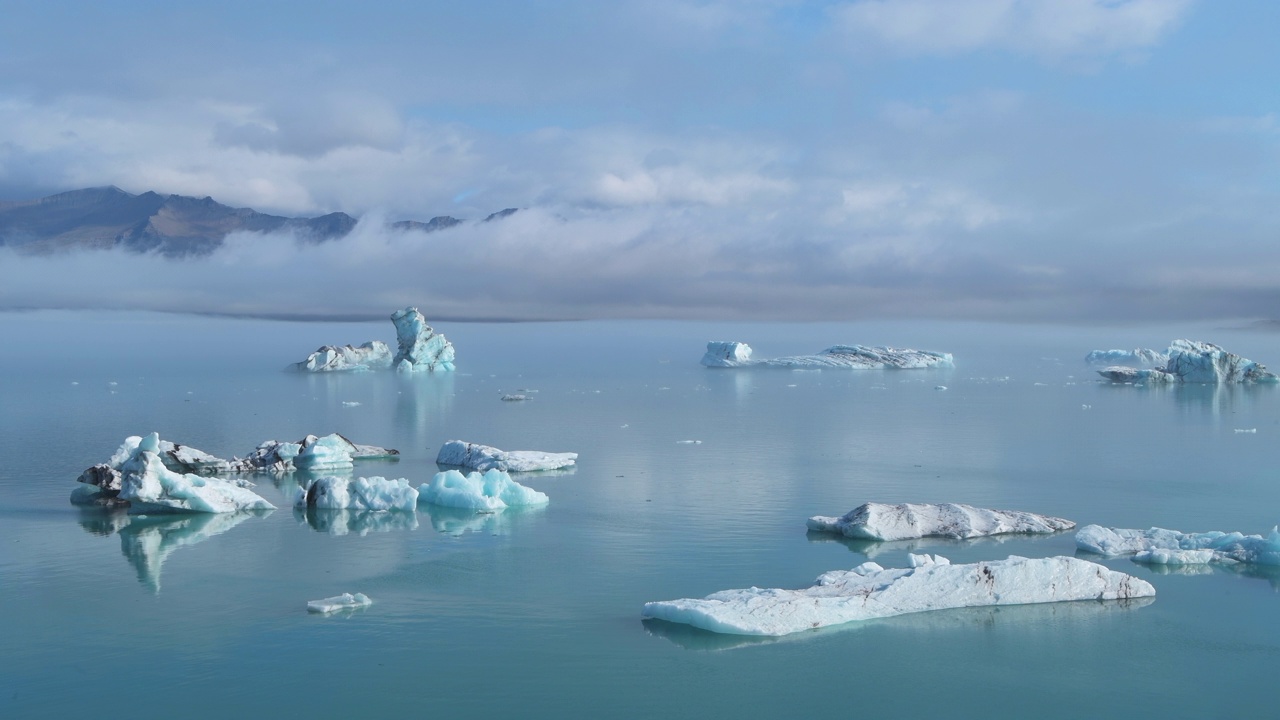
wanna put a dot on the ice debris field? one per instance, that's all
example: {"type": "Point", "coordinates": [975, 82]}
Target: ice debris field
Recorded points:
{"type": "Point", "coordinates": [147, 474]}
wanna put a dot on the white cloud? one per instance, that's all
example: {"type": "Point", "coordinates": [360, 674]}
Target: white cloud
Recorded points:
{"type": "Point", "coordinates": [1053, 29]}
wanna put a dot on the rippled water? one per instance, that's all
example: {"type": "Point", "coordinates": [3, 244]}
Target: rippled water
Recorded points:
{"type": "Point", "coordinates": [537, 613]}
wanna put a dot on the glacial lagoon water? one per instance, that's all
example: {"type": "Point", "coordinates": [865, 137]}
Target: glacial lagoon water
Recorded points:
{"type": "Point", "coordinates": [537, 613]}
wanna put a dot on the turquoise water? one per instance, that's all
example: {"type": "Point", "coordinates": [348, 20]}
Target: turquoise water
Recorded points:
{"type": "Point", "coordinates": [537, 613]}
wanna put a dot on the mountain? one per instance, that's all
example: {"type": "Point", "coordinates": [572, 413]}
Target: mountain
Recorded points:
{"type": "Point", "coordinates": [174, 225]}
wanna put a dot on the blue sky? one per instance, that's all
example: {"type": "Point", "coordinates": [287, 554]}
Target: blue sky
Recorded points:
{"type": "Point", "coordinates": [1025, 159]}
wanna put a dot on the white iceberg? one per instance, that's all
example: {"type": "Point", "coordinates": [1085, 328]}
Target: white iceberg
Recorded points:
{"type": "Point", "coordinates": [373, 355]}
{"type": "Point", "coordinates": [1191, 361]}
{"type": "Point", "coordinates": [727, 354]}
{"type": "Point", "coordinates": [870, 591]}
{"type": "Point", "coordinates": [1161, 546]}
{"type": "Point", "coordinates": [312, 453]}
{"type": "Point", "coordinates": [345, 601]}
{"type": "Point", "coordinates": [148, 485]}
{"type": "Point", "coordinates": [490, 492]}
{"type": "Point", "coordinates": [906, 521]}
{"type": "Point", "coordinates": [858, 357]}
{"type": "Point", "coordinates": [1138, 357]}
{"type": "Point", "coordinates": [374, 493]}
{"type": "Point", "coordinates": [483, 457]}
{"type": "Point", "coordinates": [421, 349]}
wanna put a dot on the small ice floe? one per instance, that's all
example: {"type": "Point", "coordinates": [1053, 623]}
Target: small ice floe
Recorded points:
{"type": "Point", "coordinates": [939, 387]}
{"type": "Point", "coordinates": [870, 591]}
{"type": "Point", "coordinates": [113, 383]}
{"type": "Point", "coordinates": [345, 601]}
{"type": "Point", "coordinates": [74, 382]}
{"type": "Point", "coordinates": [1040, 384]}
{"type": "Point", "coordinates": [350, 403]}
{"type": "Point", "coordinates": [688, 442]}
{"type": "Point", "coordinates": [1086, 407]}
{"type": "Point", "coordinates": [737, 354]}
{"type": "Point", "coordinates": [1251, 431]}
{"type": "Point", "coordinates": [1159, 545]}
{"type": "Point", "coordinates": [340, 493]}
{"type": "Point", "coordinates": [483, 457]}
{"type": "Point", "coordinates": [905, 521]}
{"type": "Point", "coordinates": [491, 492]}
{"type": "Point", "coordinates": [517, 397]}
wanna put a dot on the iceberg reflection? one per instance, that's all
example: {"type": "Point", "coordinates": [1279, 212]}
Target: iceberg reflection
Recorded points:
{"type": "Point", "coordinates": [148, 540]}
{"type": "Point", "coordinates": [359, 522]}
{"type": "Point", "coordinates": [458, 521]}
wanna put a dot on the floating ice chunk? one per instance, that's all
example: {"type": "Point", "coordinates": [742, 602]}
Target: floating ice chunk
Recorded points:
{"type": "Point", "coordinates": [727, 354]}
{"type": "Point", "coordinates": [490, 492]}
{"type": "Point", "coordinates": [1138, 357]}
{"type": "Point", "coordinates": [514, 398]}
{"type": "Point", "coordinates": [732, 354]}
{"type": "Point", "coordinates": [688, 442]}
{"type": "Point", "coordinates": [374, 355]}
{"type": "Point", "coordinates": [1225, 547]}
{"type": "Point", "coordinates": [331, 452]}
{"type": "Point", "coordinates": [421, 349]}
{"type": "Point", "coordinates": [904, 521]}
{"type": "Point", "coordinates": [869, 592]}
{"type": "Point", "coordinates": [147, 484]}
{"type": "Point", "coordinates": [374, 493]}
{"type": "Point", "coordinates": [483, 457]}
{"type": "Point", "coordinates": [345, 601]}
{"type": "Point", "coordinates": [1191, 361]}
{"type": "Point", "coordinates": [939, 387]}
{"type": "Point", "coordinates": [1251, 431]}
{"type": "Point", "coordinates": [350, 403]}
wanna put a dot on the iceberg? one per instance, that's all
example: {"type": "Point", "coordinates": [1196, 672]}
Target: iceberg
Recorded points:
{"type": "Point", "coordinates": [421, 349]}
{"type": "Point", "coordinates": [1138, 357]}
{"type": "Point", "coordinates": [483, 457]}
{"type": "Point", "coordinates": [345, 601]}
{"type": "Point", "coordinates": [374, 493]}
{"type": "Point", "coordinates": [148, 485]}
{"type": "Point", "coordinates": [857, 357]}
{"type": "Point", "coordinates": [1191, 361]}
{"type": "Point", "coordinates": [907, 521]}
{"type": "Point", "coordinates": [870, 591]}
{"type": "Point", "coordinates": [312, 453]}
{"type": "Point", "coordinates": [373, 355]}
{"type": "Point", "coordinates": [1170, 547]}
{"type": "Point", "coordinates": [490, 492]}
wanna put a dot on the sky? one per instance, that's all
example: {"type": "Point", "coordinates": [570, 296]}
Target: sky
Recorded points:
{"type": "Point", "coordinates": [1030, 160]}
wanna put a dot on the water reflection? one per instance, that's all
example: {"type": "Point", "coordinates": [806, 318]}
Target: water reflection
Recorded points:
{"type": "Point", "coordinates": [1038, 617]}
{"type": "Point", "coordinates": [422, 399]}
{"type": "Point", "coordinates": [1208, 398]}
{"type": "Point", "coordinates": [873, 548]}
{"type": "Point", "coordinates": [457, 521]}
{"type": "Point", "coordinates": [360, 522]}
{"type": "Point", "coordinates": [148, 540]}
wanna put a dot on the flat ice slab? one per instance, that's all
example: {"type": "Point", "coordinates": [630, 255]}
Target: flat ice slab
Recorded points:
{"type": "Point", "coordinates": [870, 591]}
{"type": "Point", "coordinates": [483, 457]}
{"type": "Point", "coordinates": [147, 484]}
{"type": "Point", "coordinates": [373, 493]}
{"type": "Point", "coordinates": [345, 601]}
{"type": "Point", "coordinates": [490, 492]}
{"type": "Point", "coordinates": [1158, 546]}
{"type": "Point", "coordinates": [1191, 361]}
{"type": "Point", "coordinates": [906, 521]}
{"type": "Point", "coordinates": [858, 357]}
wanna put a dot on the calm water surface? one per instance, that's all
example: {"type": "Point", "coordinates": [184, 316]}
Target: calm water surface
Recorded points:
{"type": "Point", "coordinates": [537, 613]}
